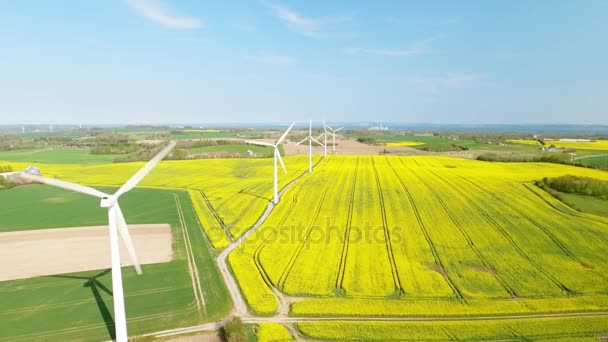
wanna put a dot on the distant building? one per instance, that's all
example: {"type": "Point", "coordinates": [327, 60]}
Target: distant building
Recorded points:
{"type": "Point", "coordinates": [378, 128]}
{"type": "Point", "coordinates": [250, 153]}
{"type": "Point", "coordinates": [575, 140]}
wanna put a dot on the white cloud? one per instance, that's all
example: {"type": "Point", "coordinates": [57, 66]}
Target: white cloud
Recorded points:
{"type": "Point", "coordinates": [311, 27]}
{"type": "Point", "coordinates": [412, 49]}
{"type": "Point", "coordinates": [449, 81]}
{"type": "Point", "coordinates": [158, 12]}
{"type": "Point", "coordinates": [270, 58]}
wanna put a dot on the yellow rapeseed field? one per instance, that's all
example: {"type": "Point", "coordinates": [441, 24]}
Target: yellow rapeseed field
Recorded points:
{"type": "Point", "coordinates": [574, 329]}
{"type": "Point", "coordinates": [578, 145]}
{"type": "Point", "coordinates": [272, 332]}
{"type": "Point", "coordinates": [397, 236]}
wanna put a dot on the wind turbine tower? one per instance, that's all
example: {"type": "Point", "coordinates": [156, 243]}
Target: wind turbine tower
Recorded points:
{"type": "Point", "coordinates": [332, 132]}
{"type": "Point", "coordinates": [310, 139]}
{"type": "Point", "coordinates": [277, 156]}
{"type": "Point", "coordinates": [117, 226]}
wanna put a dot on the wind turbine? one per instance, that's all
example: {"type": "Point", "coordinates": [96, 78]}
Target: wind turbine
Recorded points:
{"type": "Point", "coordinates": [310, 139]}
{"type": "Point", "coordinates": [277, 155]}
{"type": "Point", "coordinates": [116, 225]}
{"type": "Point", "coordinates": [331, 132]}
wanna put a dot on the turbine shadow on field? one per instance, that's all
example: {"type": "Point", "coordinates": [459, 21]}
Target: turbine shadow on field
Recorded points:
{"type": "Point", "coordinates": [95, 286]}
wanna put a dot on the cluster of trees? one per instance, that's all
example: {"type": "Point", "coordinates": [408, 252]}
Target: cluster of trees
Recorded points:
{"type": "Point", "coordinates": [144, 152]}
{"type": "Point", "coordinates": [577, 185]}
{"type": "Point", "coordinates": [3, 182]}
{"type": "Point", "coordinates": [234, 330]}
{"type": "Point", "coordinates": [205, 143]}
{"type": "Point", "coordinates": [114, 149]}
{"type": "Point", "coordinates": [527, 158]}
{"type": "Point", "coordinates": [367, 140]}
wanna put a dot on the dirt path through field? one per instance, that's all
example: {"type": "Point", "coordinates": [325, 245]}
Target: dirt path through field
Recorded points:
{"type": "Point", "coordinates": [35, 253]}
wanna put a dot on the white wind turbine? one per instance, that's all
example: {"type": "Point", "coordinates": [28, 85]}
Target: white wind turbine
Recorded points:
{"type": "Point", "coordinates": [310, 139]}
{"type": "Point", "coordinates": [116, 225]}
{"type": "Point", "coordinates": [277, 155]}
{"type": "Point", "coordinates": [331, 132]}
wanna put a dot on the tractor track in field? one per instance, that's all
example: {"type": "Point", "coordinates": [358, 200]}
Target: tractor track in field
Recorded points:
{"type": "Point", "coordinates": [466, 235]}
{"type": "Point", "coordinates": [514, 244]}
{"type": "Point", "coordinates": [258, 250]}
{"type": "Point", "coordinates": [294, 256]}
{"type": "Point", "coordinates": [344, 254]}
{"type": "Point", "coordinates": [216, 216]}
{"type": "Point", "coordinates": [387, 236]}
{"type": "Point", "coordinates": [192, 267]}
{"type": "Point", "coordinates": [427, 237]}
{"type": "Point", "coordinates": [550, 235]}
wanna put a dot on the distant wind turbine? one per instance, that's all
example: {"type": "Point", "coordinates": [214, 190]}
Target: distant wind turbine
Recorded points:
{"type": "Point", "coordinates": [277, 156]}
{"type": "Point", "coordinates": [116, 225]}
{"type": "Point", "coordinates": [310, 139]}
{"type": "Point", "coordinates": [332, 132]}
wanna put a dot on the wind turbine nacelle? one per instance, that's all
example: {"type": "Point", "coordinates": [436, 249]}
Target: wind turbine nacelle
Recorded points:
{"type": "Point", "coordinates": [107, 202]}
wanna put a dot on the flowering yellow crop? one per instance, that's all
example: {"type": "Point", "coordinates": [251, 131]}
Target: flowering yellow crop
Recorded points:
{"type": "Point", "coordinates": [272, 332]}
{"type": "Point", "coordinates": [405, 235]}
{"type": "Point", "coordinates": [579, 145]}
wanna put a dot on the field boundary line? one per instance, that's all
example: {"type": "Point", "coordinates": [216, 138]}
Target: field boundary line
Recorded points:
{"type": "Point", "coordinates": [387, 236]}
{"type": "Point", "coordinates": [193, 269]}
{"type": "Point", "coordinates": [345, 244]}
{"type": "Point", "coordinates": [288, 320]}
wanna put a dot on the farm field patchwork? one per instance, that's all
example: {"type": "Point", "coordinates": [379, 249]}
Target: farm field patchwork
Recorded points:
{"type": "Point", "coordinates": [234, 191]}
{"type": "Point", "coordinates": [57, 156]}
{"type": "Point", "coordinates": [392, 236]}
{"type": "Point", "coordinates": [69, 306]}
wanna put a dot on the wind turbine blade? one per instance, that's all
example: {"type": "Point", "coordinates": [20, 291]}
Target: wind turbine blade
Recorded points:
{"type": "Point", "coordinates": [126, 238]}
{"type": "Point", "coordinates": [285, 134]}
{"type": "Point", "coordinates": [259, 143]}
{"type": "Point", "coordinates": [136, 178]}
{"type": "Point", "coordinates": [324, 127]}
{"type": "Point", "coordinates": [335, 130]}
{"type": "Point", "coordinates": [278, 156]}
{"type": "Point", "coordinates": [301, 141]}
{"type": "Point", "coordinates": [310, 128]}
{"type": "Point", "coordinates": [320, 135]}
{"type": "Point", "coordinates": [65, 185]}
{"type": "Point", "coordinates": [317, 141]}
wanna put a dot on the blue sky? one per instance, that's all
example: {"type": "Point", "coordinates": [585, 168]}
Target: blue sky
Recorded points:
{"type": "Point", "coordinates": [160, 61]}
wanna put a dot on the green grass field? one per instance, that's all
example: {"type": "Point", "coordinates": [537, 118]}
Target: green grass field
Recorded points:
{"type": "Point", "coordinates": [57, 156]}
{"type": "Point", "coordinates": [599, 161]}
{"type": "Point", "coordinates": [588, 204]}
{"type": "Point", "coordinates": [67, 307]}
